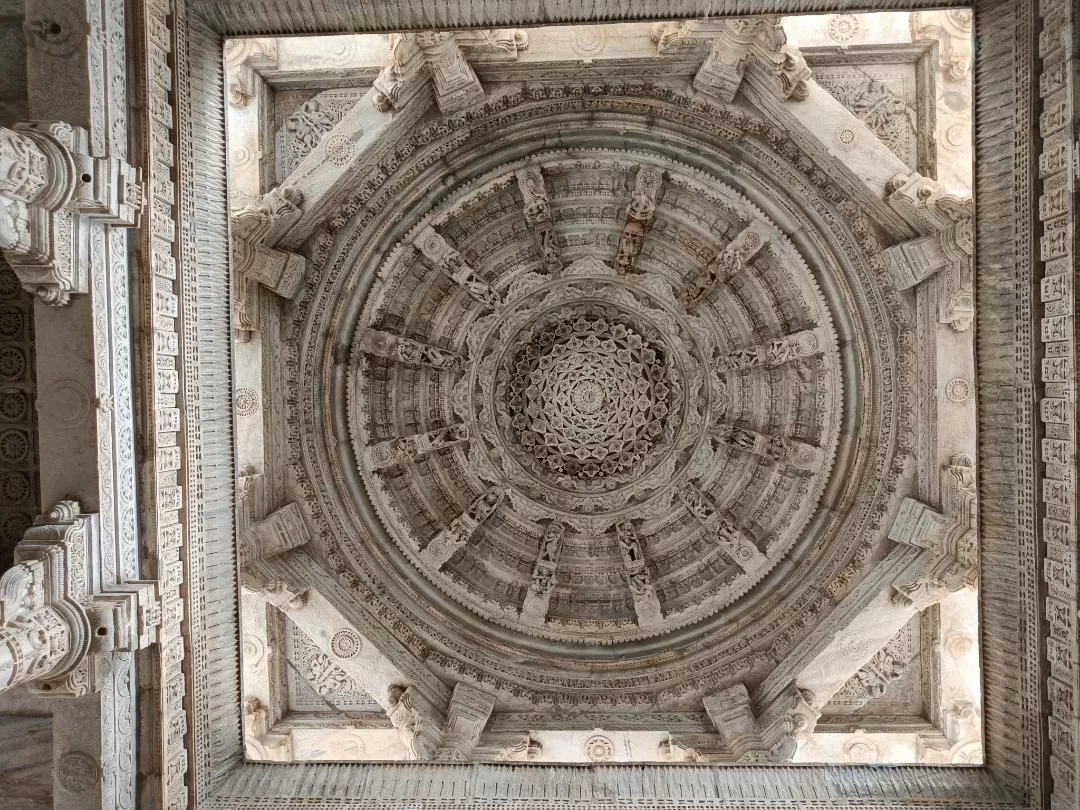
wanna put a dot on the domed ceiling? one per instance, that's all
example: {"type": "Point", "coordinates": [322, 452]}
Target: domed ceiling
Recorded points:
{"type": "Point", "coordinates": [598, 393]}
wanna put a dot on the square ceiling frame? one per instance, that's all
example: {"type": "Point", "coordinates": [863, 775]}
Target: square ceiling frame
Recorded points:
{"type": "Point", "coordinates": [1012, 481]}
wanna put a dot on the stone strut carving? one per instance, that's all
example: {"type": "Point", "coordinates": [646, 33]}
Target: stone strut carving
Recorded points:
{"type": "Point", "coordinates": [735, 44]}
{"type": "Point", "coordinates": [52, 194]}
{"type": "Point", "coordinates": [535, 607]}
{"type": "Point", "coordinates": [415, 720]}
{"type": "Point", "coordinates": [398, 451]}
{"type": "Point", "coordinates": [437, 252]}
{"type": "Point", "coordinates": [538, 215]}
{"type": "Point", "coordinates": [777, 352]}
{"type": "Point", "coordinates": [468, 713]}
{"type": "Point", "coordinates": [728, 263]}
{"type": "Point", "coordinates": [60, 614]}
{"type": "Point", "coordinates": [407, 352]}
{"type": "Point", "coordinates": [946, 249]}
{"type": "Point", "coordinates": [646, 603]}
{"type": "Point", "coordinates": [778, 449]}
{"type": "Point", "coordinates": [447, 542]}
{"type": "Point", "coordinates": [734, 542]}
{"type": "Point", "coordinates": [253, 228]}
{"type": "Point", "coordinates": [772, 737]}
{"type": "Point", "coordinates": [243, 60]}
{"type": "Point", "coordinates": [441, 59]}
{"type": "Point", "coordinates": [639, 213]}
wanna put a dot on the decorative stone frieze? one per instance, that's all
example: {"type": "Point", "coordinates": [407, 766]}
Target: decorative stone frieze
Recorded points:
{"type": "Point", "coordinates": [468, 713]}
{"type": "Point", "coordinates": [946, 249]}
{"type": "Point", "coordinates": [728, 263]}
{"type": "Point", "coordinates": [535, 607]}
{"type": "Point", "coordinates": [737, 43]}
{"type": "Point", "coordinates": [639, 213]}
{"type": "Point", "coordinates": [61, 615]}
{"type": "Point", "coordinates": [438, 253]}
{"type": "Point", "coordinates": [398, 451]}
{"type": "Point", "coordinates": [52, 192]}
{"type": "Point", "coordinates": [417, 721]}
{"type": "Point", "coordinates": [253, 229]}
{"type": "Point", "coordinates": [537, 212]}
{"type": "Point", "coordinates": [441, 59]}
{"type": "Point", "coordinates": [408, 352]}
{"type": "Point", "coordinates": [447, 542]}
{"type": "Point", "coordinates": [244, 58]}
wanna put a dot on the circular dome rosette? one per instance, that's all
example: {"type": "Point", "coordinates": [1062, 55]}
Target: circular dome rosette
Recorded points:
{"type": "Point", "coordinates": [588, 399]}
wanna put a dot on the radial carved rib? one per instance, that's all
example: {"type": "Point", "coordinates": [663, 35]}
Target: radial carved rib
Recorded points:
{"type": "Point", "coordinates": [776, 352]}
{"type": "Point", "coordinates": [398, 451]}
{"type": "Point", "coordinates": [447, 542]}
{"type": "Point", "coordinates": [728, 263]}
{"type": "Point", "coordinates": [639, 214]}
{"type": "Point", "coordinates": [773, 448]}
{"type": "Point", "coordinates": [538, 215]}
{"type": "Point", "coordinates": [437, 252]}
{"type": "Point", "coordinates": [734, 543]}
{"type": "Point", "coordinates": [407, 352]}
{"type": "Point", "coordinates": [646, 605]}
{"type": "Point", "coordinates": [534, 609]}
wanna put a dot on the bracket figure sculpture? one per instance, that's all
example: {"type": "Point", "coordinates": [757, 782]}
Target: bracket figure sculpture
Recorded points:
{"type": "Point", "coordinates": [535, 607]}
{"type": "Point", "coordinates": [398, 451]}
{"type": "Point", "coordinates": [447, 542]}
{"type": "Point", "coordinates": [53, 194]}
{"type": "Point", "coordinates": [642, 590]}
{"type": "Point", "coordinates": [731, 261]}
{"type": "Point", "coordinates": [734, 542]}
{"type": "Point", "coordinates": [537, 211]}
{"type": "Point", "coordinates": [944, 248]}
{"type": "Point", "coordinates": [408, 352]}
{"type": "Point", "coordinates": [788, 349]}
{"type": "Point", "coordinates": [437, 253]}
{"type": "Point", "coordinates": [61, 613]}
{"type": "Point", "coordinates": [639, 213]}
{"type": "Point", "coordinates": [777, 449]}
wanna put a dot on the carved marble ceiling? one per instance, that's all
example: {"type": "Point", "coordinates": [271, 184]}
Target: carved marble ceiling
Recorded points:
{"type": "Point", "coordinates": [597, 395]}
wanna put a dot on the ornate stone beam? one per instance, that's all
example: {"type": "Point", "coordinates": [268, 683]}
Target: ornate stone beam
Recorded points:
{"type": "Point", "coordinates": [535, 607]}
{"type": "Point", "coordinates": [787, 349]}
{"type": "Point", "coordinates": [935, 556]}
{"type": "Point", "coordinates": [438, 253]}
{"type": "Point", "coordinates": [52, 194]}
{"type": "Point", "coordinates": [398, 451]}
{"type": "Point", "coordinates": [646, 603]}
{"type": "Point", "coordinates": [408, 352]}
{"type": "Point", "coordinates": [774, 736]}
{"type": "Point", "coordinates": [447, 542]}
{"type": "Point", "coordinates": [468, 713]}
{"type": "Point", "coordinates": [252, 229]}
{"type": "Point", "coordinates": [778, 449]}
{"type": "Point", "coordinates": [736, 43]}
{"type": "Point", "coordinates": [639, 213]}
{"type": "Point", "coordinates": [538, 215]}
{"type": "Point", "coordinates": [734, 543]}
{"type": "Point", "coordinates": [731, 261]}
{"type": "Point", "coordinates": [945, 249]}
{"type": "Point", "coordinates": [441, 59]}
{"type": "Point", "coordinates": [60, 615]}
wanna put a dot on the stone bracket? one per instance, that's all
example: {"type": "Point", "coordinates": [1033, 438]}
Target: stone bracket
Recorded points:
{"type": "Point", "coordinates": [279, 532]}
{"type": "Point", "coordinates": [642, 590]}
{"type": "Point", "coordinates": [52, 195]}
{"type": "Point", "coordinates": [255, 229]}
{"type": "Point", "coordinates": [774, 736]}
{"type": "Point", "coordinates": [780, 450]}
{"type": "Point", "coordinates": [733, 542]}
{"type": "Point", "coordinates": [398, 451]}
{"type": "Point", "coordinates": [468, 713]}
{"type": "Point", "coordinates": [407, 352]}
{"type": "Point", "coordinates": [437, 253]}
{"type": "Point", "coordinates": [537, 211]}
{"type": "Point", "coordinates": [736, 43]}
{"type": "Point", "coordinates": [417, 720]}
{"type": "Point", "coordinates": [788, 349]}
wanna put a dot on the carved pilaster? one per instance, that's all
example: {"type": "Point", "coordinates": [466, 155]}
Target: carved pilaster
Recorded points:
{"type": "Point", "coordinates": [740, 41]}
{"type": "Point", "coordinates": [416, 721]}
{"type": "Point", "coordinates": [243, 60]}
{"type": "Point", "coordinates": [734, 542]}
{"type": "Point", "coordinates": [407, 352]}
{"type": "Point", "coordinates": [535, 607]}
{"type": "Point", "coordinates": [646, 603]}
{"type": "Point", "coordinates": [447, 542]}
{"type": "Point", "coordinates": [787, 349]}
{"type": "Point", "coordinates": [253, 230]}
{"type": "Point", "coordinates": [731, 261]}
{"type": "Point", "coordinates": [259, 742]}
{"type": "Point", "coordinates": [468, 713]}
{"type": "Point", "coordinates": [778, 449]}
{"type": "Point", "coordinates": [945, 247]}
{"type": "Point", "coordinates": [398, 451]}
{"type": "Point", "coordinates": [438, 253]}
{"type": "Point", "coordinates": [538, 216]}
{"type": "Point", "coordinates": [52, 191]}
{"type": "Point", "coordinates": [639, 213]}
